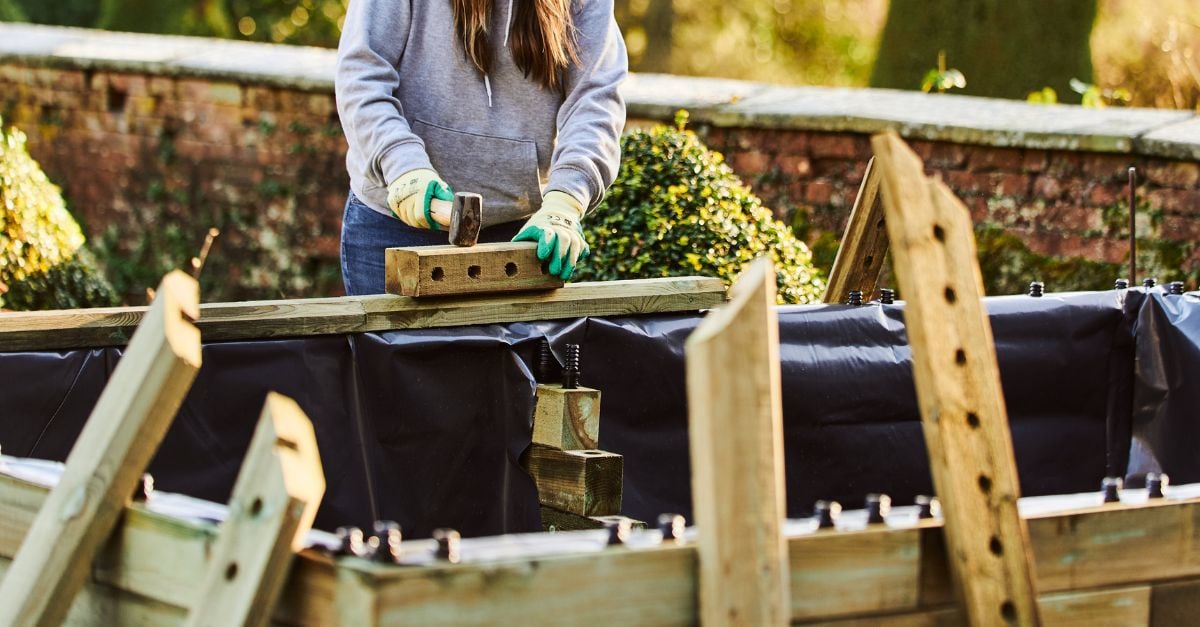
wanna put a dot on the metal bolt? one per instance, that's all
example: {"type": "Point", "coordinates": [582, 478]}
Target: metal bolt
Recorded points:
{"type": "Point", "coordinates": [1111, 487]}
{"type": "Point", "coordinates": [1122, 284]}
{"type": "Point", "coordinates": [1155, 482]}
{"type": "Point", "coordinates": [448, 545]}
{"type": "Point", "coordinates": [827, 513]}
{"type": "Point", "coordinates": [387, 541]}
{"type": "Point", "coordinates": [352, 541]}
{"type": "Point", "coordinates": [671, 526]}
{"type": "Point", "coordinates": [1036, 289]}
{"type": "Point", "coordinates": [878, 506]}
{"type": "Point", "coordinates": [927, 506]}
{"type": "Point", "coordinates": [887, 296]}
{"type": "Point", "coordinates": [571, 374]}
{"type": "Point", "coordinates": [854, 298]}
{"type": "Point", "coordinates": [547, 366]}
{"type": "Point", "coordinates": [618, 531]}
{"type": "Point", "coordinates": [144, 489]}
{"type": "Point", "coordinates": [1175, 288]}
{"type": "Point", "coordinates": [1149, 283]}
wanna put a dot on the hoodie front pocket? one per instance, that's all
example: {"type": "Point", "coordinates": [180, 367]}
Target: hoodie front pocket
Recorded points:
{"type": "Point", "coordinates": [504, 171]}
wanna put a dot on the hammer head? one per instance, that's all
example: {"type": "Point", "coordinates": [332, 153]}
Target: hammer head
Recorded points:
{"type": "Point", "coordinates": [466, 219]}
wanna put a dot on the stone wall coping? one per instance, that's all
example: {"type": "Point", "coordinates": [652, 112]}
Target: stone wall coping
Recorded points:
{"type": "Point", "coordinates": [712, 101]}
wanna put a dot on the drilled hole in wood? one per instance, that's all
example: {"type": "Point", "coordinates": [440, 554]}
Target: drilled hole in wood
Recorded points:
{"type": "Point", "coordinates": [510, 269]}
{"type": "Point", "coordinates": [1008, 611]}
{"type": "Point", "coordinates": [951, 297]}
{"type": "Point", "coordinates": [960, 357]}
{"type": "Point", "coordinates": [973, 419]}
{"type": "Point", "coordinates": [256, 507]}
{"type": "Point", "coordinates": [591, 453]}
{"type": "Point", "coordinates": [231, 571]}
{"type": "Point", "coordinates": [939, 233]}
{"type": "Point", "coordinates": [545, 268]}
{"type": "Point", "coordinates": [995, 547]}
{"type": "Point", "coordinates": [438, 274]}
{"type": "Point", "coordinates": [474, 272]}
{"type": "Point", "coordinates": [870, 258]}
{"type": "Point", "coordinates": [985, 484]}
{"type": "Point", "coordinates": [879, 225]}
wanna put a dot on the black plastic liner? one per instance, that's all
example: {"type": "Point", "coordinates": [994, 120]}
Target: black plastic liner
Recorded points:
{"type": "Point", "coordinates": [427, 427]}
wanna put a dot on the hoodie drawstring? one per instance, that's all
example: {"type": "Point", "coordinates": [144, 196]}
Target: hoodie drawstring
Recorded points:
{"type": "Point", "coordinates": [487, 82]}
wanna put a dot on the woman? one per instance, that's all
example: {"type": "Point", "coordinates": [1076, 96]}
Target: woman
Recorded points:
{"type": "Point", "coordinates": [516, 101]}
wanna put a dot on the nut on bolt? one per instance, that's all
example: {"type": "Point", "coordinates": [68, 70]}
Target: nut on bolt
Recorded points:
{"type": "Point", "coordinates": [573, 371]}
{"type": "Point", "coordinates": [618, 531]}
{"type": "Point", "coordinates": [887, 296]}
{"type": "Point", "coordinates": [1155, 482]}
{"type": "Point", "coordinates": [671, 526]}
{"type": "Point", "coordinates": [927, 506]}
{"type": "Point", "coordinates": [1037, 289]}
{"type": "Point", "coordinates": [351, 542]}
{"type": "Point", "coordinates": [854, 298]}
{"type": "Point", "coordinates": [826, 513]}
{"type": "Point", "coordinates": [449, 544]}
{"type": "Point", "coordinates": [1111, 488]}
{"type": "Point", "coordinates": [1121, 284]}
{"type": "Point", "coordinates": [878, 506]}
{"type": "Point", "coordinates": [1149, 283]}
{"type": "Point", "coordinates": [1175, 288]}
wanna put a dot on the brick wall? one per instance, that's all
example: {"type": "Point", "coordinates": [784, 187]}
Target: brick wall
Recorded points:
{"type": "Point", "coordinates": [155, 140]}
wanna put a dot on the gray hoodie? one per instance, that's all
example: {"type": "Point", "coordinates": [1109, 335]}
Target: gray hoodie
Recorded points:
{"type": "Point", "coordinates": [409, 98]}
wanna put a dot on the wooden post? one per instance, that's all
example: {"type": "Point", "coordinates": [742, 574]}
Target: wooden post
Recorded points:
{"type": "Point", "coordinates": [736, 433]}
{"type": "Point", "coordinates": [958, 388]}
{"type": "Point", "coordinates": [272, 508]}
{"type": "Point", "coordinates": [864, 244]}
{"type": "Point", "coordinates": [567, 419]}
{"type": "Point", "coordinates": [585, 483]}
{"type": "Point", "coordinates": [121, 435]}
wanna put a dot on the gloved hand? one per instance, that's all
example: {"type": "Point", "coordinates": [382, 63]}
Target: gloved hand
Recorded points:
{"type": "Point", "coordinates": [557, 230]}
{"type": "Point", "coordinates": [415, 198]}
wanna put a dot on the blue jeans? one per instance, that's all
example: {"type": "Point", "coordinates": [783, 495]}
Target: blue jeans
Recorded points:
{"type": "Point", "coordinates": [366, 233]}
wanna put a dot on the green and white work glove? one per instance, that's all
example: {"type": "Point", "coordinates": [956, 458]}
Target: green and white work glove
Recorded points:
{"type": "Point", "coordinates": [558, 232]}
{"type": "Point", "coordinates": [421, 199]}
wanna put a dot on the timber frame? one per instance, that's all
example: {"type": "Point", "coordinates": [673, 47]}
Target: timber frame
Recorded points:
{"type": "Point", "coordinates": [995, 558]}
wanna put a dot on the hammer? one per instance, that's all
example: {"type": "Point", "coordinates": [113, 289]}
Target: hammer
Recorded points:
{"type": "Point", "coordinates": [466, 217]}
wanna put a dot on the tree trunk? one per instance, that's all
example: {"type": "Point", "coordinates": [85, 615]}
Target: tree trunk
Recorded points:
{"type": "Point", "coordinates": [1005, 48]}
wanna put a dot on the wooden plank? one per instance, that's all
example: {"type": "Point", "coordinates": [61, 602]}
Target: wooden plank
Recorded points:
{"type": "Point", "coordinates": [586, 483]}
{"type": "Point", "coordinates": [121, 435]}
{"type": "Point", "coordinates": [1175, 603]}
{"type": "Point", "coordinates": [98, 605]}
{"type": "Point", "coordinates": [558, 520]}
{"type": "Point", "coordinates": [455, 270]}
{"type": "Point", "coordinates": [87, 328]}
{"type": "Point", "coordinates": [1120, 607]}
{"type": "Point", "coordinates": [864, 245]}
{"type": "Point", "coordinates": [858, 572]}
{"type": "Point", "coordinates": [567, 419]}
{"type": "Point", "coordinates": [735, 428]}
{"type": "Point", "coordinates": [958, 387]}
{"type": "Point", "coordinates": [271, 511]}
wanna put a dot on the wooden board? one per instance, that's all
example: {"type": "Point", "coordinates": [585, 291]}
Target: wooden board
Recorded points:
{"type": "Point", "coordinates": [271, 511]}
{"type": "Point", "coordinates": [735, 428]}
{"type": "Point", "coordinates": [86, 328]}
{"type": "Point", "coordinates": [116, 444]}
{"type": "Point", "coordinates": [456, 270]}
{"type": "Point", "coordinates": [864, 245]}
{"type": "Point", "coordinates": [958, 388]}
{"type": "Point", "coordinates": [585, 483]}
{"type": "Point", "coordinates": [567, 419]}
{"type": "Point", "coordinates": [835, 575]}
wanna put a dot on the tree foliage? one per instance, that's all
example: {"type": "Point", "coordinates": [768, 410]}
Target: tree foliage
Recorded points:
{"type": "Point", "coordinates": [1005, 48]}
{"type": "Point", "coordinates": [43, 264]}
{"type": "Point", "coordinates": [677, 209]}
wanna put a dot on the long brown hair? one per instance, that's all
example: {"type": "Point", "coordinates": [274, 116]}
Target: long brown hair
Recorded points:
{"type": "Point", "coordinates": [542, 37]}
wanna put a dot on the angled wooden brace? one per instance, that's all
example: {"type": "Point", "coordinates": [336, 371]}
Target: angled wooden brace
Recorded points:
{"type": "Point", "coordinates": [272, 508]}
{"type": "Point", "coordinates": [864, 245]}
{"type": "Point", "coordinates": [735, 427]}
{"type": "Point", "coordinates": [121, 435]}
{"type": "Point", "coordinates": [958, 389]}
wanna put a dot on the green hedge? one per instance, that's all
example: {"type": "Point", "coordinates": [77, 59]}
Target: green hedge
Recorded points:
{"type": "Point", "coordinates": [43, 264]}
{"type": "Point", "coordinates": [677, 209]}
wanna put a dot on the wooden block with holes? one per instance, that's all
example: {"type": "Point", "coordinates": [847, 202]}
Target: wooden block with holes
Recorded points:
{"type": "Point", "coordinates": [558, 520]}
{"type": "Point", "coordinates": [864, 244]}
{"type": "Point", "coordinates": [958, 388]}
{"type": "Point", "coordinates": [455, 270]}
{"type": "Point", "coordinates": [584, 483]}
{"type": "Point", "coordinates": [567, 419]}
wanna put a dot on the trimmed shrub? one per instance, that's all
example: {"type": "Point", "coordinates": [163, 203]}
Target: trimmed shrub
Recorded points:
{"type": "Point", "coordinates": [677, 209]}
{"type": "Point", "coordinates": [43, 264]}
